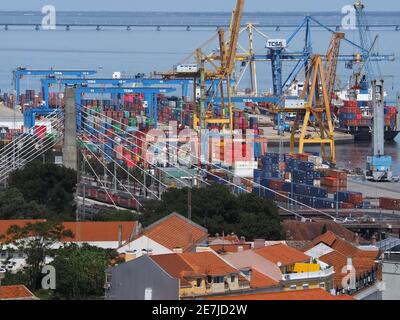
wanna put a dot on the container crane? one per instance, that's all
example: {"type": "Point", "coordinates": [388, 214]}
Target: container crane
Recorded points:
{"type": "Point", "coordinates": [314, 101]}
{"type": "Point", "coordinates": [379, 165]}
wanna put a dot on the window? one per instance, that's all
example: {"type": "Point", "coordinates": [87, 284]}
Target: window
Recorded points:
{"type": "Point", "coordinates": [306, 286]}
{"type": "Point", "coordinates": [322, 285]}
{"type": "Point", "coordinates": [233, 278]}
{"type": "Point", "coordinates": [108, 277]}
{"type": "Point", "coordinates": [293, 287]}
{"type": "Point", "coordinates": [198, 283]}
{"type": "Point", "coordinates": [148, 294]}
{"type": "Point", "coordinates": [218, 279]}
{"type": "Point", "coordinates": [209, 279]}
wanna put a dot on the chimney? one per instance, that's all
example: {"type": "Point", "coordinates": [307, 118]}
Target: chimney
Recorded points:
{"type": "Point", "coordinates": [119, 236]}
{"type": "Point", "coordinates": [178, 250]}
{"type": "Point", "coordinates": [259, 243]}
{"type": "Point", "coordinates": [349, 263]}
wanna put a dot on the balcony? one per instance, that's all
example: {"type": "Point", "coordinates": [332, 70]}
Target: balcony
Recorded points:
{"type": "Point", "coordinates": [308, 275]}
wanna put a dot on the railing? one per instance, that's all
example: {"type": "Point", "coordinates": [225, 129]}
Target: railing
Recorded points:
{"type": "Point", "coordinates": [308, 275]}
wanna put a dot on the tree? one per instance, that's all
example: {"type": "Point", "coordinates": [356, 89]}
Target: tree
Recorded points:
{"type": "Point", "coordinates": [35, 241]}
{"type": "Point", "coordinates": [116, 215]}
{"type": "Point", "coordinates": [217, 209]}
{"type": "Point", "coordinates": [14, 206]}
{"type": "Point", "coordinates": [47, 184]}
{"type": "Point", "coordinates": [80, 271]}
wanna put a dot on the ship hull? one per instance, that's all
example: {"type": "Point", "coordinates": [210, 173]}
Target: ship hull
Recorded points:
{"type": "Point", "coordinates": [365, 134]}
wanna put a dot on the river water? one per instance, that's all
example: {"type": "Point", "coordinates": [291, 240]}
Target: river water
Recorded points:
{"type": "Point", "coordinates": [143, 50]}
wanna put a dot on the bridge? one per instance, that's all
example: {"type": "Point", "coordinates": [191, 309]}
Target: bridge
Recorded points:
{"type": "Point", "coordinates": [187, 20]}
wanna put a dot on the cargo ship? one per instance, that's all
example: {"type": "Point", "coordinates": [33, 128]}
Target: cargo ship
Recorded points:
{"type": "Point", "coordinates": [354, 115]}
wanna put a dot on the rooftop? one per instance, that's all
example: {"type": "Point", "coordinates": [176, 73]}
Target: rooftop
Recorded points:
{"type": "Point", "coordinates": [300, 231]}
{"type": "Point", "coordinates": [309, 294]}
{"type": "Point", "coordinates": [189, 265]}
{"type": "Point", "coordinates": [6, 224]}
{"type": "Point", "coordinates": [16, 292]}
{"type": "Point", "coordinates": [175, 231]}
{"type": "Point", "coordinates": [100, 231]}
{"type": "Point", "coordinates": [344, 247]}
{"type": "Point", "coordinates": [281, 253]}
{"type": "Point", "coordinates": [261, 280]}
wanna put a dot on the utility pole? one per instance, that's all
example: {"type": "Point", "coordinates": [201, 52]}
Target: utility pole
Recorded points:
{"type": "Point", "coordinates": [190, 200]}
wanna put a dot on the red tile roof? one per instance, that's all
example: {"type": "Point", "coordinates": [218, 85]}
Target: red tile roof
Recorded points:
{"type": "Point", "coordinates": [192, 265]}
{"type": "Point", "coordinates": [362, 260]}
{"type": "Point", "coordinates": [84, 231]}
{"type": "Point", "coordinates": [339, 261]}
{"type": "Point", "coordinates": [300, 231]}
{"type": "Point", "coordinates": [15, 292]}
{"type": "Point", "coordinates": [344, 247]}
{"type": "Point", "coordinates": [260, 280]}
{"type": "Point", "coordinates": [282, 253]}
{"type": "Point", "coordinates": [172, 263]}
{"type": "Point", "coordinates": [6, 224]}
{"type": "Point", "coordinates": [228, 239]}
{"type": "Point", "coordinates": [208, 263]}
{"type": "Point", "coordinates": [175, 231]}
{"type": "Point", "coordinates": [309, 294]}
{"type": "Point", "coordinates": [100, 231]}
{"type": "Point", "coordinates": [219, 248]}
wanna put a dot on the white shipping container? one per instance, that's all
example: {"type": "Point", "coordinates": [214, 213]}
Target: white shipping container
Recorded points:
{"type": "Point", "coordinates": [186, 68]}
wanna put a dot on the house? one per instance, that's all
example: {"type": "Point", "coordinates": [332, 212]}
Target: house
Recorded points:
{"type": "Point", "coordinates": [309, 295]}
{"type": "Point", "coordinates": [106, 235]}
{"type": "Point", "coordinates": [176, 275]}
{"type": "Point", "coordinates": [16, 292]}
{"type": "Point", "coordinates": [11, 260]}
{"type": "Point", "coordinates": [299, 231]}
{"type": "Point", "coordinates": [344, 257]}
{"type": "Point", "coordinates": [390, 267]}
{"type": "Point", "coordinates": [289, 267]}
{"type": "Point", "coordinates": [263, 275]}
{"type": "Point", "coordinates": [102, 234]}
{"type": "Point", "coordinates": [228, 243]}
{"type": "Point", "coordinates": [174, 233]}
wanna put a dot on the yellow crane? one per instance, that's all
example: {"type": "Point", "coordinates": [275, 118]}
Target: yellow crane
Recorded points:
{"type": "Point", "coordinates": [221, 74]}
{"type": "Point", "coordinates": [331, 62]}
{"type": "Point", "coordinates": [316, 104]}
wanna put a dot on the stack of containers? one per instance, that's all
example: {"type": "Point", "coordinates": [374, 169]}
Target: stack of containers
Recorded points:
{"type": "Point", "coordinates": [349, 198]}
{"type": "Point", "coordinates": [334, 179]}
{"type": "Point", "coordinates": [390, 117]}
{"type": "Point", "coordinates": [350, 115]}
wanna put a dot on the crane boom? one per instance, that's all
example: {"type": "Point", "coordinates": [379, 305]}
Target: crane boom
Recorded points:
{"type": "Point", "coordinates": [233, 38]}
{"type": "Point", "coordinates": [331, 62]}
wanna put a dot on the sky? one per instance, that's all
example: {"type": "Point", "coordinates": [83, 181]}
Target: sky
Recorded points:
{"type": "Point", "coordinates": [195, 5]}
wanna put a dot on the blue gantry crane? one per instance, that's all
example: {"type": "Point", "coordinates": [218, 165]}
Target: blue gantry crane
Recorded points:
{"type": "Point", "coordinates": [21, 72]}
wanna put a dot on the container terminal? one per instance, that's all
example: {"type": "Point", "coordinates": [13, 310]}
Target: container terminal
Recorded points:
{"type": "Point", "coordinates": [199, 123]}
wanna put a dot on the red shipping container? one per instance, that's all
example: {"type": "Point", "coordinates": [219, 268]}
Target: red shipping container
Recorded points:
{"type": "Point", "coordinates": [345, 205]}
{"type": "Point", "coordinates": [40, 131]}
{"type": "Point", "coordinates": [389, 204]}
{"type": "Point", "coordinates": [355, 198]}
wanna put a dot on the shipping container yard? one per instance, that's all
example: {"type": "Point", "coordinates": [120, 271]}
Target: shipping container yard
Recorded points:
{"type": "Point", "coordinates": [308, 130]}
